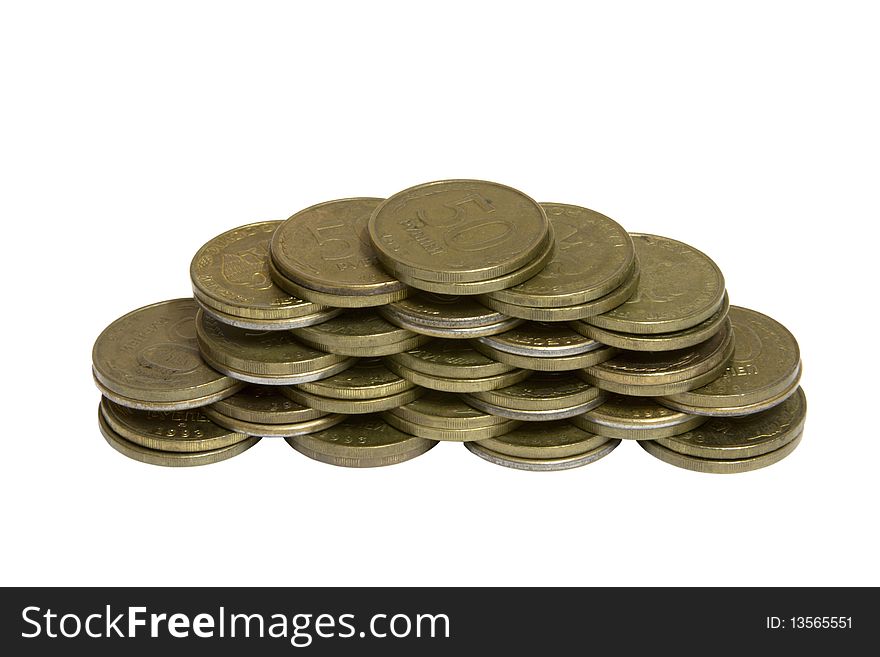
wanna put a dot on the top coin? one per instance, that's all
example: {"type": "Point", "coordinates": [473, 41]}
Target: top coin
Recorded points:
{"type": "Point", "coordinates": [326, 248]}
{"type": "Point", "coordinates": [594, 255]}
{"type": "Point", "coordinates": [679, 288]}
{"type": "Point", "coordinates": [231, 273]}
{"type": "Point", "coordinates": [152, 355]}
{"type": "Point", "coordinates": [458, 231]}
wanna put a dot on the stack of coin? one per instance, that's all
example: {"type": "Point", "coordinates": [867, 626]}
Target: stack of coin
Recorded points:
{"type": "Point", "coordinates": [447, 316]}
{"type": "Point", "coordinates": [367, 387]}
{"type": "Point", "coordinates": [444, 416]}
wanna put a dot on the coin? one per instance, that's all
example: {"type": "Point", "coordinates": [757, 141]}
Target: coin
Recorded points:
{"type": "Point", "coordinates": [453, 333]}
{"type": "Point", "coordinates": [491, 285]}
{"type": "Point", "coordinates": [326, 249]}
{"type": "Point", "coordinates": [594, 256]}
{"type": "Point", "coordinates": [658, 341]}
{"type": "Point", "coordinates": [334, 300]}
{"type": "Point", "coordinates": [643, 373]}
{"type": "Point", "coordinates": [458, 231]}
{"type": "Point", "coordinates": [157, 457]}
{"type": "Point", "coordinates": [355, 406]}
{"type": "Point", "coordinates": [679, 288]}
{"type": "Point", "coordinates": [635, 418]}
{"type": "Point", "coordinates": [361, 441]}
{"type": "Point", "coordinates": [546, 363]}
{"type": "Point", "coordinates": [765, 370]}
{"type": "Point", "coordinates": [449, 435]}
{"type": "Point", "coordinates": [269, 357]}
{"type": "Point", "coordinates": [540, 397]}
{"type": "Point", "coordinates": [744, 437]}
{"type": "Point", "coordinates": [449, 358]}
{"type": "Point", "coordinates": [581, 311]}
{"type": "Point", "coordinates": [230, 274]}
{"type": "Point", "coordinates": [360, 333]}
{"type": "Point", "coordinates": [150, 358]}
{"type": "Point", "coordinates": [268, 324]}
{"type": "Point", "coordinates": [443, 410]}
{"type": "Point", "coordinates": [542, 339]}
{"type": "Point", "coordinates": [128, 402]}
{"type": "Point", "coordinates": [369, 378]}
{"type": "Point", "coordinates": [543, 465]}
{"type": "Point", "coordinates": [258, 404]}
{"type": "Point", "coordinates": [170, 431]}
{"type": "Point", "coordinates": [719, 466]}
{"type": "Point", "coordinates": [452, 384]}
{"type": "Point", "coordinates": [273, 429]}
{"type": "Point", "coordinates": [546, 440]}
{"type": "Point", "coordinates": [444, 311]}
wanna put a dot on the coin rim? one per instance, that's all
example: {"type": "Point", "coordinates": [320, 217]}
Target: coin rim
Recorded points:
{"type": "Point", "coordinates": [720, 466]}
{"type": "Point", "coordinates": [544, 465]}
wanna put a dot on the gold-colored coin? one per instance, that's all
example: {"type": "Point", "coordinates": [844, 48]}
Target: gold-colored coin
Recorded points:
{"type": "Point", "coordinates": [658, 341]}
{"type": "Point", "coordinates": [547, 363]}
{"type": "Point", "coordinates": [542, 340]}
{"type": "Point", "coordinates": [354, 406]}
{"type": "Point", "coordinates": [719, 466]}
{"type": "Point", "coordinates": [443, 410]}
{"type": "Point", "coordinates": [451, 359]}
{"type": "Point", "coordinates": [594, 256]}
{"type": "Point", "coordinates": [451, 384]}
{"type": "Point", "coordinates": [491, 285]}
{"type": "Point", "coordinates": [546, 440]}
{"type": "Point", "coordinates": [635, 418]}
{"type": "Point", "coordinates": [270, 357]}
{"type": "Point", "coordinates": [369, 378]}
{"type": "Point", "coordinates": [539, 398]}
{"type": "Point", "coordinates": [258, 404]}
{"type": "Point", "coordinates": [679, 288]}
{"type": "Point", "coordinates": [230, 274]}
{"type": "Point", "coordinates": [360, 333]}
{"type": "Point", "coordinates": [362, 441]}
{"type": "Point", "coordinates": [453, 333]}
{"type": "Point", "coordinates": [274, 429]}
{"type": "Point", "coordinates": [150, 358]}
{"type": "Point", "coordinates": [268, 324]}
{"type": "Point", "coordinates": [458, 231]}
{"type": "Point", "coordinates": [449, 435]}
{"type": "Point", "coordinates": [744, 437]}
{"type": "Point", "coordinates": [543, 465]}
{"type": "Point", "coordinates": [592, 308]}
{"type": "Point", "coordinates": [172, 459]}
{"type": "Point", "coordinates": [644, 373]}
{"type": "Point", "coordinates": [335, 300]}
{"type": "Point", "coordinates": [169, 431]}
{"type": "Point", "coordinates": [444, 311]}
{"type": "Point", "coordinates": [764, 372]}
{"type": "Point", "coordinates": [325, 248]}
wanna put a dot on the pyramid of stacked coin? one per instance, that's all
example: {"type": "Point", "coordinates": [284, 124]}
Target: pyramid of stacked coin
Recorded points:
{"type": "Point", "coordinates": [364, 331]}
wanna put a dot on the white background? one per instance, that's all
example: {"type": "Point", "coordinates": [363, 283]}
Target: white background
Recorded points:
{"type": "Point", "coordinates": [132, 133]}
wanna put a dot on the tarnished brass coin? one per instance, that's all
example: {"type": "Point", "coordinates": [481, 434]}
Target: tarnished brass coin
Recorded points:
{"type": "Point", "coordinates": [635, 418]}
{"type": "Point", "coordinates": [326, 249]}
{"type": "Point", "coordinates": [543, 465]}
{"type": "Point", "coordinates": [268, 324]}
{"type": "Point", "coordinates": [540, 397]}
{"type": "Point", "coordinates": [173, 459]}
{"type": "Point", "coordinates": [643, 373]}
{"type": "Point", "coordinates": [451, 384]}
{"type": "Point", "coordinates": [334, 300]}
{"type": "Point", "coordinates": [170, 431]}
{"type": "Point", "coordinates": [128, 402]}
{"type": "Point", "coordinates": [719, 466]}
{"type": "Point", "coordinates": [580, 311]}
{"type": "Point", "coordinates": [453, 333]}
{"type": "Point", "coordinates": [458, 230]}
{"type": "Point", "coordinates": [546, 363]}
{"type": "Point", "coordinates": [542, 340]}
{"type": "Point", "coordinates": [270, 357]}
{"type": "Point", "coordinates": [449, 435]}
{"type": "Point", "coordinates": [547, 440]}
{"type": "Point", "coordinates": [744, 437]}
{"type": "Point", "coordinates": [765, 370]}
{"type": "Point", "coordinates": [360, 333]}
{"type": "Point", "coordinates": [594, 256]}
{"type": "Point", "coordinates": [355, 406]}
{"type": "Point", "coordinates": [369, 378]}
{"type": "Point", "coordinates": [361, 441]}
{"type": "Point", "coordinates": [267, 429]}
{"type": "Point", "coordinates": [444, 311]}
{"type": "Point", "coordinates": [449, 358]}
{"type": "Point", "coordinates": [258, 404]}
{"type": "Point", "coordinates": [443, 410]}
{"type": "Point", "coordinates": [150, 358]}
{"type": "Point", "coordinates": [491, 285]}
{"type": "Point", "coordinates": [658, 341]}
{"type": "Point", "coordinates": [679, 287]}
{"type": "Point", "coordinates": [230, 274]}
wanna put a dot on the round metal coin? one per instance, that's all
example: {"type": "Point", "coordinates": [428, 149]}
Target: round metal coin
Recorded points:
{"type": "Point", "coordinates": [543, 465]}
{"type": "Point", "coordinates": [635, 418]}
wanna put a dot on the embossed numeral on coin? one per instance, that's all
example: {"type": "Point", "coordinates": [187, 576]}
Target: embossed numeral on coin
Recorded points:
{"type": "Point", "coordinates": [458, 211]}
